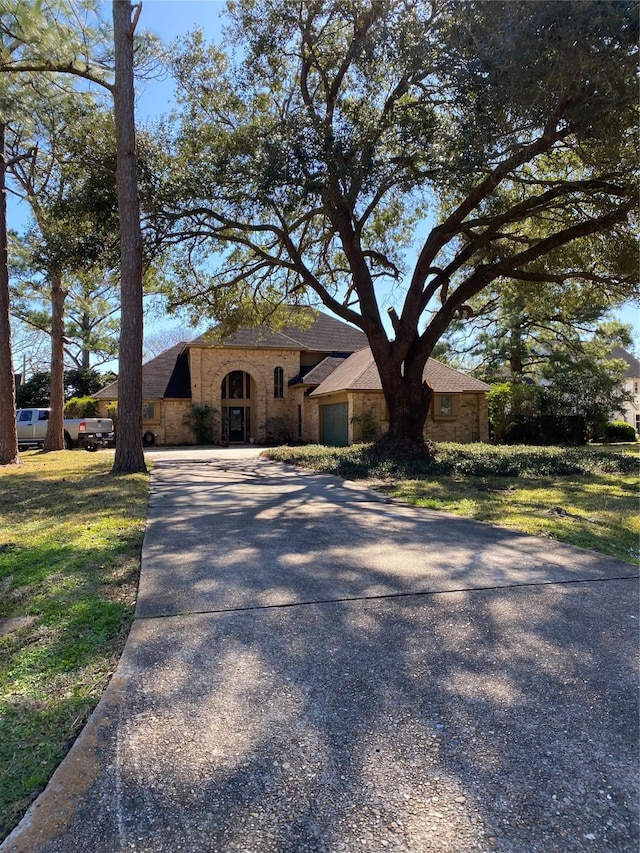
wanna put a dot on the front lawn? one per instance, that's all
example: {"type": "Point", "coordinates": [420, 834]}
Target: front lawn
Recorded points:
{"type": "Point", "coordinates": [70, 540]}
{"type": "Point", "coordinates": [583, 496]}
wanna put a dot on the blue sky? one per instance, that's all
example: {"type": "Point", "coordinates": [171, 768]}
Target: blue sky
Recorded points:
{"type": "Point", "coordinates": [170, 19]}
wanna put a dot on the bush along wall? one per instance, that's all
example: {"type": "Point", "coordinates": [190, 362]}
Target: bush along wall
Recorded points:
{"type": "Point", "coordinates": [546, 430]}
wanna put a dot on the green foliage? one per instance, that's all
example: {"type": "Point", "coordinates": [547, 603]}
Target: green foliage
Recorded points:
{"type": "Point", "coordinates": [510, 403]}
{"type": "Point", "coordinates": [579, 387]}
{"type": "Point", "coordinates": [470, 460]}
{"type": "Point", "coordinates": [619, 431]}
{"type": "Point", "coordinates": [516, 325]}
{"type": "Point", "coordinates": [77, 383]}
{"type": "Point", "coordinates": [81, 407]}
{"type": "Point", "coordinates": [203, 422]}
{"type": "Point", "coordinates": [85, 383]}
{"type": "Point", "coordinates": [369, 425]}
{"type": "Point", "coordinates": [35, 391]}
{"type": "Point", "coordinates": [586, 385]}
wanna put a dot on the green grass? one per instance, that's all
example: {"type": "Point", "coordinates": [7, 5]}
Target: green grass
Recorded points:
{"type": "Point", "coordinates": [70, 539]}
{"type": "Point", "coordinates": [582, 496]}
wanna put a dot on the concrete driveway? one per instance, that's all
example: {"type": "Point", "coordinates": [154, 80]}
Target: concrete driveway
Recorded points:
{"type": "Point", "coordinates": [312, 668]}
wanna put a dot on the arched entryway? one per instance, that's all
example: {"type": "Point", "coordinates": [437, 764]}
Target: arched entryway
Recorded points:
{"type": "Point", "coordinates": [236, 404]}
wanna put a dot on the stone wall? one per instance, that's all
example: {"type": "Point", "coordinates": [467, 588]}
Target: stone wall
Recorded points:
{"type": "Point", "coordinates": [173, 431]}
{"type": "Point", "coordinates": [368, 418]}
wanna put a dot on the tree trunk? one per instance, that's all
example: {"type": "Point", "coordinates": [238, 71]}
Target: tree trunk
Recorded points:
{"type": "Point", "coordinates": [85, 330]}
{"type": "Point", "coordinates": [54, 439]}
{"type": "Point", "coordinates": [408, 409]}
{"type": "Point", "coordinates": [129, 458]}
{"type": "Point", "coordinates": [408, 397]}
{"type": "Point", "coordinates": [8, 433]}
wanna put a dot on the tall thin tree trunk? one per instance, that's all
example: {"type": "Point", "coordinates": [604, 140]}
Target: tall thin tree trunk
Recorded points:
{"type": "Point", "coordinates": [54, 439]}
{"type": "Point", "coordinates": [129, 458]}
{"type": "Point", "coordinates": [8, 433]}
{"type": "Point", "coordinates": [86, 341]}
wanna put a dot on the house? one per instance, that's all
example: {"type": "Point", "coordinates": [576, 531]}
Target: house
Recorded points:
{"type": "Point", "coordinates": [631, 409]}
{"type": "Point", "coordinates": [316, 383]}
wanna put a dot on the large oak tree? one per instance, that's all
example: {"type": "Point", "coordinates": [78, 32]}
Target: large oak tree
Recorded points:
{"type": "Point", "coordinates": [412, 154]}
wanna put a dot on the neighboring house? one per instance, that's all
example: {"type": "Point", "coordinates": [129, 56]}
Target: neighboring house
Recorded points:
{"type": "Point", "coordinates": [318, 383]}
{"type": "Point", "coordinates": [631, 409]}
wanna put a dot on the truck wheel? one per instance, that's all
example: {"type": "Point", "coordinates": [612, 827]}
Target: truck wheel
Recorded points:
{"type": "Point", "coordinates": [68, 444]}
{"type": "Point", "coordinates": [149, 438]}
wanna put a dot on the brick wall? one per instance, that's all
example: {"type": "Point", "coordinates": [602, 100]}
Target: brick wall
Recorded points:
{"type": "Point", "coordinates": [470, 424]}
{"type": "Point", "coordinates": [210, 365]}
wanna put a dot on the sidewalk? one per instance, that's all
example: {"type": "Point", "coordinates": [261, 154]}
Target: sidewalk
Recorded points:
{"type": "Point", "coordinates": [313, 669]}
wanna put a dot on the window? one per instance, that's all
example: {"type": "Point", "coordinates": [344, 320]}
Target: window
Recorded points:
{"type": "Point", "coordinates": [25, 415]}
{"type": "Point", "coordinates": [149, 412]}
{"type": "Point", "coordinates": [278, 383]}
{"type": "Point", "coordinates": [446, 406]}
{"type": "Point", "coordinates": [236, 386]}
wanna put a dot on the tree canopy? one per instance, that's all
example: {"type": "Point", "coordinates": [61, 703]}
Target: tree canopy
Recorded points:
{"type": "Point", "coordinates": [410, 155]}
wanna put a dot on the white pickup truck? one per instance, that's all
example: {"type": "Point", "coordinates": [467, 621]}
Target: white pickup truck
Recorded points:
{"type": "Point", "coordinates": [90, 433]}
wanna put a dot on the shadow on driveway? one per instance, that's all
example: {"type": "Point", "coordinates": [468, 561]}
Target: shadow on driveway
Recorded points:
{"type": "Point", "coordinates": [312, 669]}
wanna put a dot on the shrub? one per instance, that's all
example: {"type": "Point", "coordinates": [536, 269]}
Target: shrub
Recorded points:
{"type": "Point", "coordinates": [547, 430]}
{"type": "Point", "coordinates": [618, 431]}
{"type": "Point", "coordinates": [466, 460]}
{"type": "Point", "coordinates": [203, 423]}
{"type": "Point", "coordinates": [278, 430]}
{"type": "Point", "coordinates": [369, 426]}
{"type": "Point", "coordinates": [81, 407]}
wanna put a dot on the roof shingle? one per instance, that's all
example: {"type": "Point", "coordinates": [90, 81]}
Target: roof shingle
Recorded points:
{"type": "Point", "coordinates": [166, 375]}
{"type": "Point", "coordinates": [324, 334]}
{"type": "Point", "coordinates": [359, 373]}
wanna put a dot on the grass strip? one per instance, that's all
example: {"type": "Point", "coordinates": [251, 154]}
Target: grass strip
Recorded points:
{"type": "Point", "coordinates": [70, 541]}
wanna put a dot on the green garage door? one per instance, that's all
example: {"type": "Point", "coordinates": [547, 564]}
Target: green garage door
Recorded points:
{"type": "Point", "coordinates": [335, 425]}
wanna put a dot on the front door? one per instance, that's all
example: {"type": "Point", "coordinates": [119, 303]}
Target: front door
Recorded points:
{"type": "Point", "coordinates": [235, 396]}
{"type": "Point", "coordinates": [236, 423]}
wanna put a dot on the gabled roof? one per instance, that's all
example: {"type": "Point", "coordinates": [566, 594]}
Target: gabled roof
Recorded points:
{"type": "Point", "coordinates": [324, 334]}
{"type": "Point", "coordinates": [166, 375]}
{"type": "Point", "coordinates": [359, 373]}
{"type": "Point", "coordinates": [633, 369]}
{"type": "Point", "coordinates": [316, 375]}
